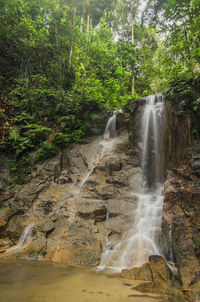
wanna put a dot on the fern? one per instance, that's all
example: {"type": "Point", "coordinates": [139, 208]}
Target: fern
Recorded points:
{"type": "Point", "coordinates": [14, 134]}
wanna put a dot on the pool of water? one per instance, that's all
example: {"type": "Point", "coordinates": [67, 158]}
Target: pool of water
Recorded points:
{"type": "Point", "coordinates": [29, 281]}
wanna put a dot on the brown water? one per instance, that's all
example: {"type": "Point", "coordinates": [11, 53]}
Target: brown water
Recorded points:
{"type": "Point", "coordinates": [29, 281]}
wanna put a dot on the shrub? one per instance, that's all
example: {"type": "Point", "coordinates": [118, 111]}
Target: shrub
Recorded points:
{"type": "Point", "coordinates": [45, 151]}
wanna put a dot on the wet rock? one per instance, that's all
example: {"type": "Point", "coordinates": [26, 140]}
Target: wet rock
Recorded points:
{"type": "Point", "coordinates": [138, 273]}
{"type": "Point", "coordinates": [115, 166]}
{"type": "Point", "coordinates": [53, 167]}
{"type": "Point", "coordinates": [64, 178]}
{"type": "Point", "coordinates": [2, 185]}
{"type": "Point", "coordinates": [177, 135]}
{"type": "Point", "coordinates": [46, 226]}
{"type": "Point", "coordinates": [121, 120]}
{"type": "Point", "coordinates": [195, 163]}
{"type": "Point", "coordinates": [109, 165]}
{"type": "Point", "coordinates": [56, 253]}
{"type": "Point", "coordinates": [118, 207]}
{"type": "Point", "coordinates": [156, 271]}
{"type": "Point", "coordinates": [95, 209]}
{"type": "Point", "coordinates": [5, 244]}
{"type": "Point", "coordinates": [196, 279]}
{"type": "Point", "coordinates": [197, 251]}
{"type": "Point", "coordinates": [36, 247]}
{"type": "Point", "coordinates": [160, 270]}
{"type": "Point", "coordinates": [78, 244]}
{"type": "Point", "coordinates": [5, 213]}
{"type": "Point", "coordinates": [72, 223]}
{"type": "Point", "coordinates": [116, 182]}
{"type": "Point", "coordinates": [181, 215]}
{"type": "Point", "coordinates": [47, 207]}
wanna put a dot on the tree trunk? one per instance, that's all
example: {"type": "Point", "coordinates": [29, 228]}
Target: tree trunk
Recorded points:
{"type": "Point", "coordinates": [82, 19]}
{"type": "Point", "coordinates": [88, 23]}
{"type": "Point", "coordinates": [87, 43]}
{"type": "Point", "coordinates": [133, 81]}
{"type": "Point", "coordinates": [132, 41]}
{"type": "Point", "coordinates": [72, 44]}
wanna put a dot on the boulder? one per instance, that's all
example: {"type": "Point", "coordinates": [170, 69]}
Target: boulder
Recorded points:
{"type": "Point", "coordinates": [160, 270]}
{"type": "Point", "coordinates": [156, 271]}
{"type": "Point", "coordinates": [138, 273]}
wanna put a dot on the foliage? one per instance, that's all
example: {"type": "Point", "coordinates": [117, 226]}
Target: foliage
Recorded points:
{"type": "Point", "coordinates": [21, 170]}
{"type": "Point", "coordinates": [61, 61]}
{"type": "Point", "coordinates": [197, 243]}
{"type": "Point", "coordinates": [178, 55]}
{"type": "Point", "coordinates": [186, 93]}
{"type": "Point", "coordinates": [45, 151]}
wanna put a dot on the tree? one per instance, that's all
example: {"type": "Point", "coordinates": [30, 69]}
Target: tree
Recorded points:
{"type": "Point", "coordinates": [179, 21]}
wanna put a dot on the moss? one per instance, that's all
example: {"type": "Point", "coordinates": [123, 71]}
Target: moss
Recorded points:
{"type": "Point", "coordinates": [197, 243]}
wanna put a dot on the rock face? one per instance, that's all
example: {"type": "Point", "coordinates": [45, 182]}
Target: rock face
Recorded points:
{"type": "Point", "coordinates": [181, 216]}
{"type": "Point", "coordinates": [177, 134]}
{"type": "Point", "coordinates": [74, 201]}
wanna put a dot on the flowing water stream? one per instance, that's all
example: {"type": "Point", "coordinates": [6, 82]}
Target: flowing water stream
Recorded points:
{"type": "Point", "coordinates": [140, 241]}
{"type": "Point", "coordinates": [105, 144]}
{"type": "Point", "coordinates": [24, 239]}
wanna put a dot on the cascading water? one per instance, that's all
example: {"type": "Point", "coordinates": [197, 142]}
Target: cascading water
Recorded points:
{"type": "Point", "coordinates": [25, 236]}
{"type": "Point", "coordinates": [107, 141]}
{"type": "Point", "coordinates": [151, 140]}
{"type": "Point", "coordinates": [141, 240]}
{"type": "Point", "coordinates": [111, 125]}
{"type": "Point", "coordinates": [24, 239]}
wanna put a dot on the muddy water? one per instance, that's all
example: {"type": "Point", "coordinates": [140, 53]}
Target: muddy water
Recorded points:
{"type": "Point", "coordinates": [47, 282]}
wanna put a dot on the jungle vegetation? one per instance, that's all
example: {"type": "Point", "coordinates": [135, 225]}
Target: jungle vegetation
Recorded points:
{"type": "Point", "coordinates": [62, 61]}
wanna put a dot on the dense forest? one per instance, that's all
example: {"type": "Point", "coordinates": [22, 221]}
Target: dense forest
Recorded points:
{"type": "Point", "coordinates": [64, 61]}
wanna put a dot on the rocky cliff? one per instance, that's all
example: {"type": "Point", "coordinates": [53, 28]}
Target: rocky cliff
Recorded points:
{"type": "Point", "coordinates": [68, 201]}
{"type": "Point", "coordinates": [181, 211]}
{"type": "Point", "coordinates": [82, 197]}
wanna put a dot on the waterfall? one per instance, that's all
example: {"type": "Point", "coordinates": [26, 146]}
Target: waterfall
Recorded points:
{"type": "Point", "coordinates": [171, 253]}
{"type": "Point", "coordinates": [84, 180]}
{"type": "Point", "coordinates": [151, 139]}
{"type": "Point", "coordinates": [171, 259]}
{"type": "Point", "coordinates": [24, 239]}
{"type": "Point", "coordinates": [107, 141]}
{"type": "Point", "coordinates": [111, 125]}
{"type": "Point", "coordinates": [140, 241]}
{"type": "Point", "coordinates": [25, 236]}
